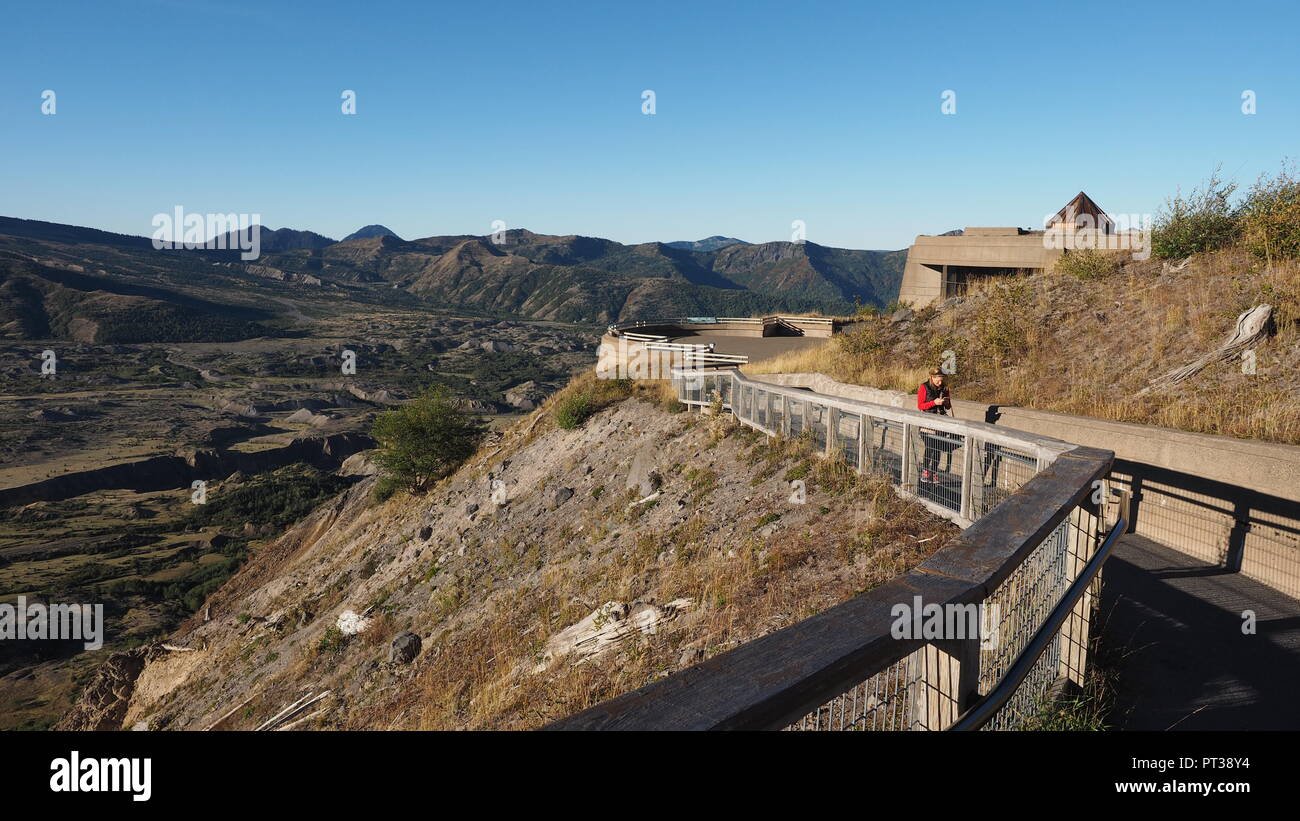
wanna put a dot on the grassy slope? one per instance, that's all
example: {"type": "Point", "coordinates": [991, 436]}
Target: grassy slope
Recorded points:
{"type": "Point", "coordinates": [1060, 343]}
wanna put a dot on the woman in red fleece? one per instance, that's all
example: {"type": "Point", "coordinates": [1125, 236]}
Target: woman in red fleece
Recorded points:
{"type": "Point", "coordinates": [932, 397]}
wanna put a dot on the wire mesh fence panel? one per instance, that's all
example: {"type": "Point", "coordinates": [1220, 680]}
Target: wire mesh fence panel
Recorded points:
{"type": "Point", "coordinates": [939, 465]}
{"type": "Point", "coordinates": [997, 472]}
{"type": "Point", "coordinates": [1197, 524]}
{"type": "Point", "coordinates": [760, 407]}
{"type": "Point", "coordinates": [724, 388]}
{"type": "Point", "coordinates": [1271, 552]}
{"type": "Point", "coordinates": [1216, 530]}
{"type": "Point", "coordinates": [884, 447]}
{"type": "Point", "coordinates": [816, 424]}
{"type": "Point", "coordinates": [1030, 697]}
{"type": "Point", "coordinates": [796, 409]}
{"type": "Point", "coordinates": [711, 387]}
{"type": "Point", "coordinates": [695, 387]}
{"type": "Point", "coordinates": [848, 428]}
{"type": "Point", "coordinates": [776, 413]}
{"type": "Point", "coordinates": [884, 702]}
{"type": "Point", "coordinates": [1032, 592]}
{"type": "Point", "coordinates": [1019, 606]}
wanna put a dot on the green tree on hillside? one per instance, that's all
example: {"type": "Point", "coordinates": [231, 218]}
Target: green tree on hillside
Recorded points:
{"type": "Point", "coordinates": [424, 440]}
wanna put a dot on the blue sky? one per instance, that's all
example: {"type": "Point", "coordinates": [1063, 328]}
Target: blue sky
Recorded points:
{"type": "Point", "coordinates": [530, 113]}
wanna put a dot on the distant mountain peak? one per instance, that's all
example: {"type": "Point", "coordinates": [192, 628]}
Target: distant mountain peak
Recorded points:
{"type": "Point", "coordinates": [712, 243]}
{"type": "Point", "coordinates": [370, 231]}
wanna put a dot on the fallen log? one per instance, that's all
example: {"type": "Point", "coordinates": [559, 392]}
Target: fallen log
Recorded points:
{"type": "Point", "coordinates": [1252, 326]}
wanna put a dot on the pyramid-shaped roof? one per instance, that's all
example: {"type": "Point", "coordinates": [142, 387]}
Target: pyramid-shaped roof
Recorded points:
{"type": "Point", "coordinates": [1082, 204]}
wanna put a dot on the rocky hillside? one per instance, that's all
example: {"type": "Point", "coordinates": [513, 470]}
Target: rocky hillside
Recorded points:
{"type": "Point", "coordinates": [82, 285]}
{"type": "Point", "coordinates": [712, 243]}
{"type": "Point", "coordinates": [368, 231]}
{"type": "Point", "coordinates": [69, 282]}
{"type": "Point", "coordinates": [557, 568]}
{"type": "Point", "coordinates": [578, 278]}
{"type": "Point", "coordinates": [40, 301]}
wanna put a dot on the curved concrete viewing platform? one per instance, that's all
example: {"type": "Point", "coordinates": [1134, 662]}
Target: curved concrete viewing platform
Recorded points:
{"type": "Point", "coordinates": [649, 349]}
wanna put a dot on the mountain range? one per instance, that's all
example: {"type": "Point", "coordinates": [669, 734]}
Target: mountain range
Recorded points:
{"type": "Point", "coordinates": [370, 231]}
{"type": "Point", "coordinates": [707, 244]}
{"type": "Point", "coordinates": [66, 281]}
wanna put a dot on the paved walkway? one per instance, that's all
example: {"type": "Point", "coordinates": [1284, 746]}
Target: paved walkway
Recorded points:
{"type": "Point", "coordinates": [1183, 663]}
{"type": "Point", "coordinates": [755, 347]}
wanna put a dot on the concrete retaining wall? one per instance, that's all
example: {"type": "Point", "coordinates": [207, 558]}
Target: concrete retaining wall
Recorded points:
{"type": "Point", "coordinates": [821, 383]}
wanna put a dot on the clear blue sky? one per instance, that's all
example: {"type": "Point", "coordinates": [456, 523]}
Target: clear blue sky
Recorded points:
{"type": "Point", "coordinates": [531, 113]}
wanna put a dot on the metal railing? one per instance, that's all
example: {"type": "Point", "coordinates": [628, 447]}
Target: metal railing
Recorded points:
{"type": "Point", "coordinates": [679, 346]}
{"type": "Point", "coordinates": [1048, 638]}
{"type": "Point", "coordinates": [648, 338]}
{"type": "Point", "coordinates": [790, 322]}
{"type": "Point", "coordinates": [958, 469]}
{"type": "Point", "coordinates": [1025, 567]}
{"type": "Point", "coordinates": [675, 354]}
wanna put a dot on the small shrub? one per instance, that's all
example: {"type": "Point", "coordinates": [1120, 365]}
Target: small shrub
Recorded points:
{"type": "Point", "coordinates": [585, 397]}
{"type": "Point", "coordinates": [766, 519]}
{"type": "Point", "coordinates": [572, 410]}
{"type": "Point", "coordinates": [833, 474]}
{"type": "Point", "coordinates": [1088, 264]}
{"type": "Point", "coordinates": [1002, 325]}
{"type": "Point", "coordinates": [1204, 220]}
{"type": "Point", "coordinates": [869, 339]}
{"type": "Point", "coordinates": [1270, 216]}
{"type": "Point", "coordinates": [703, 482]}
{"type": "Point", "coordinates": [332, 642]}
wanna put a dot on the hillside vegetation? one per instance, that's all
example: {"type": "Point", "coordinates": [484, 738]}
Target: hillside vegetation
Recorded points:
{"type": "Point", "coordinates": [559, 567]}
{"type": "Point", "coordinates": [1087, 337]}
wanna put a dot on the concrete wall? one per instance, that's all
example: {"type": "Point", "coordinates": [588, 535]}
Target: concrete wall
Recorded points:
{"type": "Point", "coordinates": [984, 247]}
{"type": "Point", "coordinates": [621, 358]}
{"type": "Point", "coordinates": [1229, 502]}
{"type": "Point", "coordinates": [820, 383]}
{"type": "Point", "coordinates": [998, 248]}
{"type": "Point", "coordinates": [821, 330]}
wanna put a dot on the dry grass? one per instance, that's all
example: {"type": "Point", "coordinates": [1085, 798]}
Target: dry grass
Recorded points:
{"type": "Point", "coordinates": [599, 394]}
{"type": "Point", "coordinates": [832, 361]}
{"type": "Point", "coordinates": [1087, 345]}
{"type": "Point", "coordinates": [745, 581]}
